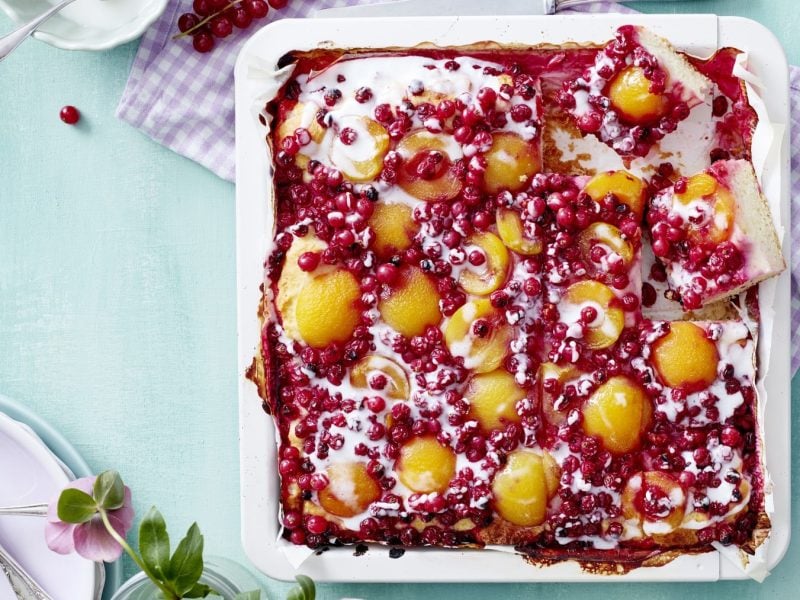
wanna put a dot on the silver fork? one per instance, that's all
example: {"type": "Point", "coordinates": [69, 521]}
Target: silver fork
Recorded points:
{"type": "Point", "coordinates": [10, 41]}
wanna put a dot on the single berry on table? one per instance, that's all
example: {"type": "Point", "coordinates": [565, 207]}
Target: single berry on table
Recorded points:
{"type": "Point", "coordinates": [278, 3]}
{"type": "Point", "coordinates": [70, 115]}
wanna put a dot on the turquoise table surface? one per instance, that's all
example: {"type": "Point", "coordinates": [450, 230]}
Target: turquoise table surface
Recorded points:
{"type": "Point", "coordinates": [117, 306]}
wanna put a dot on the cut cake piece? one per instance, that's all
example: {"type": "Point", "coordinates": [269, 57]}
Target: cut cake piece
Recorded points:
{"type": "Point", "coordinates": [714, 234]}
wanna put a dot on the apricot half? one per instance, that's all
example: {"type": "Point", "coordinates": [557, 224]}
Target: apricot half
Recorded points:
{"type": "Point", "coordinates": [607, 326]}
{"type": "Point", "coordinates": [350, 490]}
{"type": "Point", "coordinates": [362, 159]}
{"type": "Point", "coordinates": [655, 500]}
{"type": "Point", "coordinates": [512, 232]}
{"type": "Point", "coordinates": [489, 276]}
{"type": "Point", "coordinates": [479, 333]}
{"type": "Point", "coordinates": [718, 225]}
{"type": "Point", "coordinates": [630, 95]}
{"type": "Point", "coordinates": [685, 357]}
{"type": "Point", "coordinates": [426, 172]}
{"type": "Point", "coordinates": [302, 116]}
{"type": "Point", "coordinates": [549, 370]}
{"type": "Point", "coordinates": [610, 239]}
{"type": "Point", "coordinates": [372, 365]}
{"type": "Point", "coordinates": [627, 188]}
{"type": "Point", "coordinates": [412, 304]}
{"type": "Point", "coordinates": [617, 413]}
{"type": "Point", "coordinates": [425, 465]}
{"type": "Point", "coordinates": [511, 162]}
{"type": "Point", "coordinates": [493, 398]}
{"type": "Point", "coordinates": [327, 309]}
{"type": "Point", "coordinates": [524, 486]}
{"type": "Point", "coordinates": [394, 228]}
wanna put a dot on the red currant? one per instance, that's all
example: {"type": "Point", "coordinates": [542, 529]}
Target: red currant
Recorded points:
{"type": "Point", "coordinates": [203, 42]}
{"type": "Point", "coordinates": [278, 3]}
{"type": "Point", "coordinates": [308, 261]}
{"type": "Point", "coordinates": [258, 9]}
{"type": "Point", "coordinates": [221, 27]}
{"type": "Point", "coordinates": [70, 115]}
{"type": "Point", "coordinates": [186, 21]}
{"type": "Point", "coordinates": [241, 18]}
{"type": "Point", "coordinates": [203, 7]}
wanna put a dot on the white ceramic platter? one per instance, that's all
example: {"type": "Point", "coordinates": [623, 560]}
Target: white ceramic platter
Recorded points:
{"type": "Point", "coordinates": [697, 34]}
{"type": "Point", "coordinates": [88, 24]}
{"type": "Point", "coordinates": [30, 474]}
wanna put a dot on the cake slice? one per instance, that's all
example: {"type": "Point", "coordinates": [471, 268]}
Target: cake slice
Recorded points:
{"type": "Point", "coordinates": [714, 234]}
{"type": "Point", "coordinates": [637, 91]}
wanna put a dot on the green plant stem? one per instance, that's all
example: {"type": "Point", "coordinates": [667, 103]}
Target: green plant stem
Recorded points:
{"type": "Point", "coordinates": [168, 594]}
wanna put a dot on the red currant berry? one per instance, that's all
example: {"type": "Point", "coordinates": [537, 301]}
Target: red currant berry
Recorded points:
{"type": "Point", "coordinates": [203, 42]}
{"type": "Point", "coordinates": [221, 27]}
{"type": "Point", "coordinates": [70, 115]}
{"type": "Point", "coordinates": [387, 273]}
{"type": "Point", "coordinates": [203, 7]}
{"type": "Point", "coordinates": [258, 9]}
{"type": "Point", "coordinates": [278, 3]}
{"type": "Point", "coordinates": [308, 261]}
{"type": "Point", "coordinates": [241, 18]}
{"type": "Point", "coordinates": [186, 21]}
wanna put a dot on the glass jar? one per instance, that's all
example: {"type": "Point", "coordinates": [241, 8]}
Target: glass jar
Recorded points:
{"type": "Point", "coordinates": [223, 575]}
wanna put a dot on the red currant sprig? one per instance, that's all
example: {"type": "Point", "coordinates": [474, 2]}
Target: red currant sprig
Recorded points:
{"type": "Point", "coordinates": [216, 19]}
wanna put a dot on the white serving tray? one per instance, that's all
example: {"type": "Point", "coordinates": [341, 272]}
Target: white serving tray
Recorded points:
{"type": "Point", "coordinates": [697, 34]}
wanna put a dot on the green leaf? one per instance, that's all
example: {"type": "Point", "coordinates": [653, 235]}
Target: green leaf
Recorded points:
{"type": "Point", "coordinates": [154, 543]}
{"type": "Point", "coordinates": [109, 491]}
{"type": "Point", "coordinates": [251, 595]}
{"type": "Point", "coordinates": [186, 565]}
{"type": "Point", "coordinates": [200, 590]}
{"type": "Point", "coordinates": [75, 506]}
{"type": "Point", "coordinates": [304, 590]}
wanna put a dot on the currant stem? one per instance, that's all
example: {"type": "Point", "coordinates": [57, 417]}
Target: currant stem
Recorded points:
{"type": "Point", "coordinates": [191, 30]}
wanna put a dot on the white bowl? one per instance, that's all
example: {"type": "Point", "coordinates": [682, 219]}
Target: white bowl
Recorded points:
{"type": "Point", "coordinates": [88, 24]}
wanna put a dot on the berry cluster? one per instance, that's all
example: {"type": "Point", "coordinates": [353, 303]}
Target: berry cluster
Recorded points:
{"type": "Point", "coordinates": [217, 19]}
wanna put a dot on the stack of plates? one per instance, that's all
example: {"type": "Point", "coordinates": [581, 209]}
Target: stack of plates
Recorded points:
{"type": "Point", "coordinates": [32, 472]}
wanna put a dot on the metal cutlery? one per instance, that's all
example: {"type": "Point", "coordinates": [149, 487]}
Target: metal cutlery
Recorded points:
{"type": "Point", "coordinates": [426, 8]}
{"type": "Point", "coordinates": [26, 510]}
{"type": "Point", "coordinates": [22, 583]}
{"type": "Point", "coordinates": [9, 42]}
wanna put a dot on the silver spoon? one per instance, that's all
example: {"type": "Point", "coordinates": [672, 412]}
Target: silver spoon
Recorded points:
{"type": "Point", "coordinates": [9, 42]}
{"type": "Point", "coordinates": [22, 583]}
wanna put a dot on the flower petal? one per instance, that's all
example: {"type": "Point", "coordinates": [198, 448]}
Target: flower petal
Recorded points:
{"type": "Point", "coordinates": [93, 541]}
{"type": "Point", "coordinates": [59, 537]}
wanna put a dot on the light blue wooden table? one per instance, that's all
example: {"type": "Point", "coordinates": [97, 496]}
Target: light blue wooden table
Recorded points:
{"type": "Point", "coordinates": [117, 305]}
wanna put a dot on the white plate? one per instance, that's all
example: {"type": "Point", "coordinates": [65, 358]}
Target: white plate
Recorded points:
{"type": "Point", "coordinates": [30, 474]}
{"type": "Point", "coordinates": [697, 34]}
{"type": "Point", "coordinates": [88, 24]}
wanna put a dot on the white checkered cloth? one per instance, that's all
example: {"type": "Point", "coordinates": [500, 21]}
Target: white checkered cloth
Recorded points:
{"type": "Point", "coordinates": [184, 100]}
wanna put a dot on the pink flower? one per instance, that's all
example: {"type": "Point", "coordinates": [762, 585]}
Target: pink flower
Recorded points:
{"type": "Point", "coordinates": [91, 539]}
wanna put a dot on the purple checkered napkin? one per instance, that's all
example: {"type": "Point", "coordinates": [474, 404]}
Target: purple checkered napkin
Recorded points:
{"type": "Point", "coordinates": [184, 101]}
